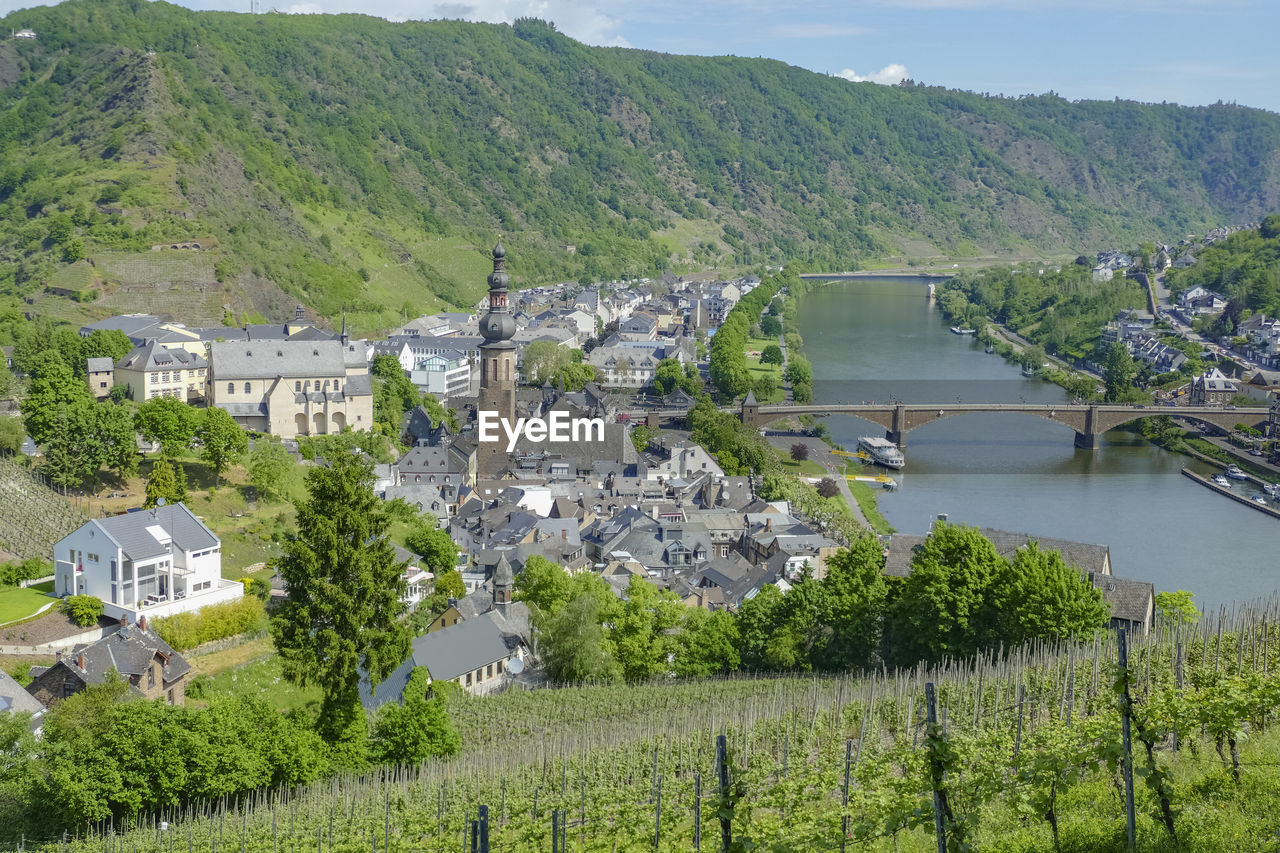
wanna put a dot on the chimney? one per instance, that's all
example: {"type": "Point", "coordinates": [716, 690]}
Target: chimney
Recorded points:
{"type": "Point", "coordinates": [124, 620]}
{"type": "Point", "coordinates": [80, 661]}
{"type": "Point", "coordinates": [768, 525]}
{"type": "Point", "coordinates": [142, 623]}
{"type": "Point", "coordinates": [57, 656]}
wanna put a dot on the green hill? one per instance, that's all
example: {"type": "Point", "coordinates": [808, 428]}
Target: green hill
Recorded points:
{"type": "Point", "coordinates": [350, 161]}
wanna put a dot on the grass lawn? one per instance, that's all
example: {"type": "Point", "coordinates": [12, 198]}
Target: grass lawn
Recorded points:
{"type": "Point", "coordinates": [807, 468]}
{"type": "Point", "coordinates": [236, 672]}
{"type": "Point", "coordinates": [758, 370]}
{"type": "Point", "coordinates": [865, 495]}
{"type": "Point", "coordinates": [17, 603]}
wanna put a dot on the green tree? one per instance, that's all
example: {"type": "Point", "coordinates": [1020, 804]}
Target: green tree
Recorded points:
{"type": "Point", "coordinates": [103, 343]}
{"type": "Point", "coordinates": [641, 435]}
{"type": "Point", "coordinates": [450, 584]}
{"type": "Point", "coordinates": [53, 389]}
{"type": "Point", "coordinates": [544, 586]}
{"type": "Point", "coordinates": [341, 619]}
{"type": "Point", "coordinates": [162, 482]}
{"type": "Point", "coordinates": [1048, 600]}
{"type": "Point", "coordinates": [439, 413]}
{"type": "Point", "coordinates": [758, 617]}
{"type": "Point", "coordinates": [707, 644]}
{"type": "Point", "coordinates": [113, 431]}
{"type": "Point", "coordinates": [1119, 372]}
{"type": "Point", "coordinates": [948, 604]}
{"type": "Point", "coordinates": [771, 326]}
{"type": "Point", "coordinates": [640, 634]}
{"type": "Point", "coordinates": [6, 381]}
{"type": "Point", "coordinates": [393, 393]}
{"type": "Point", "coordinates": [798, 370]}
{"type": "Point", "coordinates": [854, 605]}
{"type": "Point", "coordinates": [667, 376]}
{"type": "Point", "coordinates": [11, 436]}
{"type": "Point", "coordinates": [223, 441]}
{"type": "Point", "coordinates": [269, 465]}
{"type": "Point", "coordinates": [771, 354]}
{"type": "Point", "coordinates": [169, 422]}
{"type": "Point", "coordinates": [417, 727]}
{"type": "Point", "coordinates": [541, 360]}
{"type": "Point", "coordinates": [1177, 606]}
{"type": "Point", "coordinates": [574, 645]}
{"type": "Point", "coordinates": [435, 547]}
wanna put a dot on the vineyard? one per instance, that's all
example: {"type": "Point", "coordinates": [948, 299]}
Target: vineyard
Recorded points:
{"type": "Point", "coordinates": [32, 515]}
{"type": "Point", "coordinates": [1026, 752]}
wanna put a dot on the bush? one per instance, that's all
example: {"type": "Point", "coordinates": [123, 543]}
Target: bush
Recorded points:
{"type": "Point", "coordinates": [827, 488]}
{"type": "Point", "coordinates": [84, 610]}
{"type": "Point", "coordinates": [12, 574]}
{"type": "Point", "coordinates": [215, 622]}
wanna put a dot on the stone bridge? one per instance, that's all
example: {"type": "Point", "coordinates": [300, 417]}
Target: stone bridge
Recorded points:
{"type": "Point", "coordinates": [1088, 421]}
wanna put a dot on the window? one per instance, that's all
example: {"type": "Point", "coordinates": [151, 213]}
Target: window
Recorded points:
{"type": "Point", "coordinates": [499, 667]}
{"type": "Point", "coordinates": [170, 697]}
{"type": "Point", "coordinates": [102, 385]}
{"type": "Point", "coordinates": [297, 385]}
{"type": "Point", "coordinates": [231, 387]}
{"type": "Point", "coordinates": [468, 679]}
{"type": "Point", "coordinates": [488, 671]}
{"type": "Point", "coordinates": [93, 558]}
{"type": "Point", "coordinates": [151, 677]}
{"type": "Point", "coordinates": [154, 393]}
{"type": "Point", "coordinates": [246, 387]}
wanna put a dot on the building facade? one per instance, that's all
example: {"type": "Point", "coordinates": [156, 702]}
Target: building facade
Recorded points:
{"type": "Point", "coordinates": [153, 370]}
{"type": "Point", "coordinates": [292, 388]}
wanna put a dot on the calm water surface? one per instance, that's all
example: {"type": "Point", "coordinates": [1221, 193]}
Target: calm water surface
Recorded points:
{"type": "Point", "coordinates": [877, 340]}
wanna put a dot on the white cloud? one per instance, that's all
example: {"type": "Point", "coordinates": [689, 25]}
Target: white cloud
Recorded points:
{"type": "Point", "coordinates": [889, 75]}
{"type": "Point", "coordinates": [303, 9]}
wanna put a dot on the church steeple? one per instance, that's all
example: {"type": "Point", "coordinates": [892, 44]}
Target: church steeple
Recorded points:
{"type": "Point", "coordinates": [497, 363]}
{"type": "Point", "coordinates": [344, 337]}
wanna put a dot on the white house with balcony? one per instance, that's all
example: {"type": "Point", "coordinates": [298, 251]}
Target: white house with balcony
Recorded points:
{"type": "Point", "coordinates": [153, 562]}
{"type": "Point", "coordinates": [446, 375]}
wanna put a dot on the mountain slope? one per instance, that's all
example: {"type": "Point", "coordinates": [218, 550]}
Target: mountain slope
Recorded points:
{"type": "Point", "coordinates": [346, 161]}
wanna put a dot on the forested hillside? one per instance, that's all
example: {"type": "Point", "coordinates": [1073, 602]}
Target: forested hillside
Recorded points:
{"type": "Point", "coordinates": [350, 161]}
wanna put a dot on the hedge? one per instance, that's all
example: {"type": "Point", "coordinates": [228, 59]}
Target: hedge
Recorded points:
{"type": "Point", "coordinates": [215, 622]}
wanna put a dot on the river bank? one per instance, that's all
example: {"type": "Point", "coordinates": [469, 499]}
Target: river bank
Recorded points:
{"type": "Point", "coordinates": [879, 340]}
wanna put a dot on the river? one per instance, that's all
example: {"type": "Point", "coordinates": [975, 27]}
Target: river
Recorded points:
{"type": "Point", "coordinates": [877, 340]}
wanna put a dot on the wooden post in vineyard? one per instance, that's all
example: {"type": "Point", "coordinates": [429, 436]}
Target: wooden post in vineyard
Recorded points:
{"type": "Point", "coordinates": [657, 814]}
{"type": "Point", "coordinates": [1130, 824]}
{"type": "Point", "coordinates": [844, 800]}
{"type": "Point", "coordinates": [722, 765]}
{"type": "Point", "coordinates": [935, 770]}
{"type": "Point", "coordinates": [697, 812]}
{"type": "Point", "coordinates": [483, 821]}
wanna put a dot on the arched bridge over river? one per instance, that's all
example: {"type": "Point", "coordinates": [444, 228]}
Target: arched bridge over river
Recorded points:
{"type": "Point", "coordinates": [1088, 421]}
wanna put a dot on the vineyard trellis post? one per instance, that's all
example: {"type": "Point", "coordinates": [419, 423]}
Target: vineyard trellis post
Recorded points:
{"type": "Point", "coordinates": [722, 769]}
{"type": "Point", "coordinates": [657, 814]}
{"type": "Point", "coordinates": [844, 800]}
{"type": "Point", "coordinates": [697, 812]}
{"type": "Point", "coordinates": [1130, 823]}
{"type": "Point", "coordinates": [939, 796]}
{"type": "Point", "coordinates": [483, 820]}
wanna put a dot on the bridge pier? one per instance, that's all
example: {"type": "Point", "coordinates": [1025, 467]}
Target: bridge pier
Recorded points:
{"type": "Point", "coordinates": [898, 437]}
{"type": "Point", "coordinates": [1088, 440]}
{"type": "Point", "coordinates": [897, 433]}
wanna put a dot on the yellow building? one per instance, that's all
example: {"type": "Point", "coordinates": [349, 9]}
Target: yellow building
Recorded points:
{"type": "Point", "coordinates": [152, 370]}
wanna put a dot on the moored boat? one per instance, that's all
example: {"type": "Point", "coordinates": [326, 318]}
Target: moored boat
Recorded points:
{"type": "Point", "coordinates": [882, 451]}
{"type": "Point", "coordinates": [1235, 473]}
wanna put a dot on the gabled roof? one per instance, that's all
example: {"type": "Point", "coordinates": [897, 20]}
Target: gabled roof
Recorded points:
{"type": "Point", "coordinates": [14, 699]}
{"type": "Point", "coordinates": [99, 365]}
{"type": "Point", "coordinates": [129, 651]}
{"type": "Point", "coordinates": [152, 356]}
{"type": "Point", "coordinates": [272, 358]}
{"type": "Point", "coordinates": [130, 533]}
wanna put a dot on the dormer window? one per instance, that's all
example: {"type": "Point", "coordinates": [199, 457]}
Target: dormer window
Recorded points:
{"type": "Point", "coordinates": [315, 352]}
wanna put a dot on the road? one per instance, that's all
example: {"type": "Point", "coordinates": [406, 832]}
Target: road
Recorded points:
{"type": "Point", "coordinates": [820, 452]}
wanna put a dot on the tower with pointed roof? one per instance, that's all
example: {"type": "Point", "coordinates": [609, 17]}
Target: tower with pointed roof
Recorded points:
{"type": "Point", "coordinates": [497, 364]}
{"type": "Point", "coordinates": [504, 581]}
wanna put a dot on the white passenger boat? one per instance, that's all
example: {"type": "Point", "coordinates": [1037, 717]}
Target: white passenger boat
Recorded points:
{"type": "Point", "coordinates": [1219, 480]}
{"type": "Point", "coordinates": [882, 451]}
{"type": "Point", "coordinates": [1235, 473]}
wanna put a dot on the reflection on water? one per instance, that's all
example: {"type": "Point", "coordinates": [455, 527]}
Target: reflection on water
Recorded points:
{"type": "Point", "coordinates": [880, 341]}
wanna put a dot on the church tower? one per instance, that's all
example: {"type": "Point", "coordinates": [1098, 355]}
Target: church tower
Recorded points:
{"type": "Point", "coordinates": [497, 365]}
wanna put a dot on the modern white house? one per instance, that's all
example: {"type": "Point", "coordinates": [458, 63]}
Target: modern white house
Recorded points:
{"type": "Point", "coordinates": [446, 374]}
{"type": "Point", "coordinates": [153, 562]}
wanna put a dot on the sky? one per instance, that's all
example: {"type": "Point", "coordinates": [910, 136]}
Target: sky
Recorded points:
{"type": "Point", "coordinates": [1181, 51]}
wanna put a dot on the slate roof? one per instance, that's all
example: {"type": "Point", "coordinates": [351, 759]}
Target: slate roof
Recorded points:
{"type": "Point", "coordinates": [152, 356]}
{"type": "Point", "coordinates": [133, 325]}
{"type": "Point", "coordinates": [1130, 600]}
{"type": "Point", "coordinates": [14, 699]}
{"type": "Point", "coordinates": [447, 654]}
{"type": "Point", "coordinates": [100, 365]}
{"type": "Point", "coordinates": [129, 652]}
{"type": "Point", "coordinates": [268, 359]}
{"type": "Point", "coordinates": [129, 531]}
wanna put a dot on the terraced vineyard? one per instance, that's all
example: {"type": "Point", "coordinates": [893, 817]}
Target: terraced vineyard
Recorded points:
{"type": "Point", "coordinates": [32, 516]}
{"type": "Point", "coordinates": [1023, 754]}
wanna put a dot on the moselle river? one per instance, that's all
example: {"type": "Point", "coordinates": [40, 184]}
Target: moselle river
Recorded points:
{"type": "Point", "coordinates": [880, 340]}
